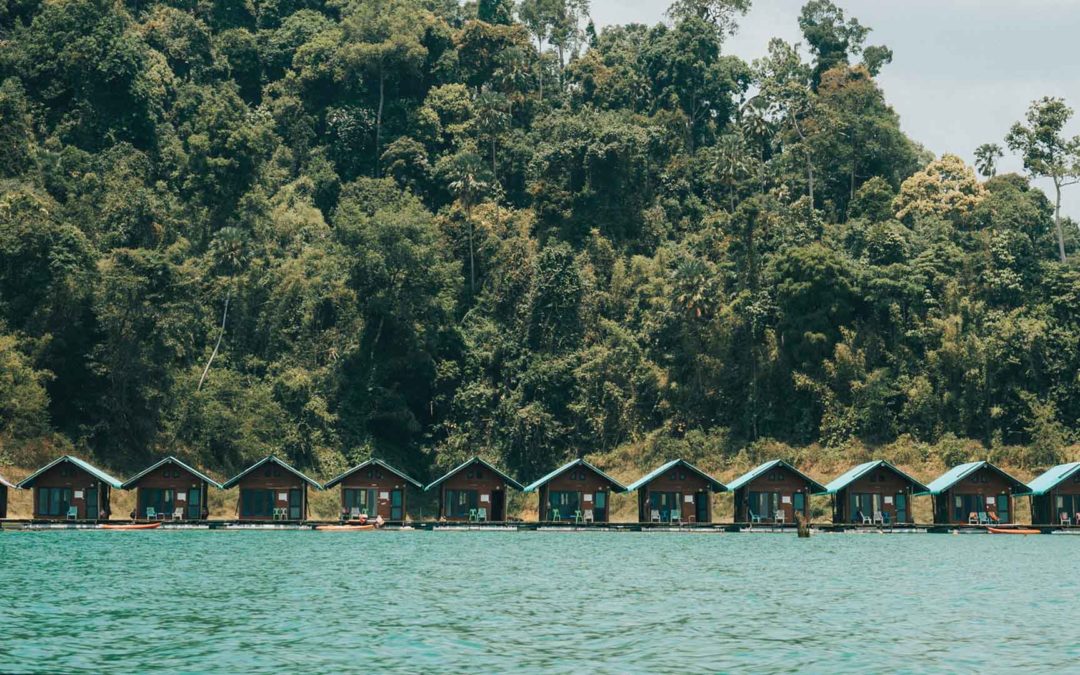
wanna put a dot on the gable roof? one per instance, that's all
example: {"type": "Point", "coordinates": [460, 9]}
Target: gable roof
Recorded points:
{"type": "Point", "coordinates": [856, 472]}
{"type": "Point", "coordinates": [750, 475]}
{"type": "Point", "coordinates": [532, 487]}
{"type": "Point", "coordinates": [273, 460]}
{"type": "Point", "coordinates": [376, 462]}
{"type": "Point", "coordinates": [5, 483]}
{"type": "Point", "coordinates": [958, 473]}
{"type": "Point", "coordinates": [170, 460]}
{"type": "Point", "coordinates": [716, 485]}
{"type": "Point", "coordinates": [1052, 477]}
{"type": "Point", "coordinates": [85, 466]}
{"type": "Point", "coordinates": [509, 481]}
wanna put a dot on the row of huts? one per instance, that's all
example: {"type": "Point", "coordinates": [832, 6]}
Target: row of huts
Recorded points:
{"type": "Point", "coordinates": [873, 492]}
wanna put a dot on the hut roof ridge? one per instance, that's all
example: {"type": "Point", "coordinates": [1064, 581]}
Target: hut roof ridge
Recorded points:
{"type": "Point", "coordinates": [532, 487]}
{"type": "Point", "coordinates": [373, 461]}
{"type": "Point", "coordinates": [516, 485]}
{"type": "Point", "coordinates": [273, 460]}
{"type": "Point", "coordinates": [1050, 478]}
{"type": "Point", "coordinates": [167, 460]}
{"type": "Point", "coordinates": [750, 475]}
{"type": "Point", "coordinates": [660, 470]}
{"type": "Point", "coordinates": [961, 471]}
{"type": "Point", "coordinates": [82, 464]}
{"type": "Point", "coordinates": [856, 472]}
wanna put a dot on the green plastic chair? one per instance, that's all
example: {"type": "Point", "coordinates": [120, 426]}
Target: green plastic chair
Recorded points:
{"type": "Point", "coordinates": [675, 516]}
{"type": "Point", "coordinates": [473, 516]}
{"type": "Point", "coordinates": [73, 512]}
{"type": "Point", "coordinates": [151, 513]}
{"type": "Point", "coordinates": [578, 517]}
{"type": "Point", "coordinates": [555, 515]}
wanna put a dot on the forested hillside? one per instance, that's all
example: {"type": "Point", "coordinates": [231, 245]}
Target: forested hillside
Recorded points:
{"type": "Point", "coordinates": [411, 228]}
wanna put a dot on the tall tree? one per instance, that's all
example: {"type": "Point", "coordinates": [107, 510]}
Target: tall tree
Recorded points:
{"type": "Point", "coordinates": [1047, 152]}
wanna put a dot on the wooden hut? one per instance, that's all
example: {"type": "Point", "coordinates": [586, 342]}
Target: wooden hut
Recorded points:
{"type": "Point", "coordinates": [577, 491]}
{"type": "Point", "coordinates": [474, 490]}
{"type": "Point", "coordinates": [373, 488]}
{"type": "Point", "coordinates": [71, 489]}
{"type": "Point", "coordinates": [976, 493]}
{"type": "Point", "coordinates": [677, 491]}
{"type": "Point", "coordinates": [1055, 496]}
{"type": "Point", "coordinates": [4, 487]}
{"type": "Point", "coordinates": [270, 489]}
{"type": "Point", "coordinates": [874, 492]}
{"type": "Point", "coordinates": [172, 490]}
{"type": "Point", "coordinates": [773, 492]}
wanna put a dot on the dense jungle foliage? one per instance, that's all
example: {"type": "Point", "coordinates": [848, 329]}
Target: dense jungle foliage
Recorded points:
{"type": "Point", "coordinates": [422, 230]}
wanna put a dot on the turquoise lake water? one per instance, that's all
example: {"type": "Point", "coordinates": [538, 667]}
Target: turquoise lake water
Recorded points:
{"type": "Point", "coordinates": [536, 601]}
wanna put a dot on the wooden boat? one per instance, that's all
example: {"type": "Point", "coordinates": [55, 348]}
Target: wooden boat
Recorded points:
{"type": "Point", "coordinates": [344, 528]}
{"type": "Point", "coordinates": [133, 526]}
{"type": "Point", "coordinates": [1012, 530]}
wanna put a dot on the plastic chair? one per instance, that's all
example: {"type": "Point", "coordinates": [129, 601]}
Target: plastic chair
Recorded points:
{"type": "Point", "coordinates": [151, 513]}
{"type": "Point", "coordinates": [555, 515]}
{"type": "Point", "coordinates": [578, 517]}
{"type": "Point", "coordinates": [473, 516]}
{"type": "Point", "coordinates": [675, 516]}
{"type": "Point", "coordinates": [73, 512]}
{"type": "Point", "coordinates": [654, 516]}
{"type": "Point", "coordinates": [587, 516]}
{"type": "Point", "coordinates": [779, 516]}
{"type": "Point", "coordinates": [973, 518]}
{"type": "Point", "coordinates": [754, 518]}
{"type": "Point", "coordinates": [481, 514]}
{"type": "Point", "coordinates": [1065, 520]}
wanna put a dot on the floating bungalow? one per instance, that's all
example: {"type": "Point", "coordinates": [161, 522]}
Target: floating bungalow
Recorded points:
{"type": "Point", "coordinates": [1055, 496]}
{"type": "Point", "coordinates": [474, 490]}
{"type": "Point", "coordinates": [773, 492]}
{"type": "Point", "coordinates": [270, 489]}
{"type": "Point", "coordinates": [873, 493]}
{"type": "Point", "coordinates": [577, 491]}
{"type": "Point", "coordinates": [71, 489]}
{"type": "Point", "coordinates": [4, 487]}
{"type": "Point", "coordinates": [373, 488]}
{"type": "Point", "coordinates": [170, 489]}
{"type": "Point", "coordinates": [676, 492]}
{"type": "Point", "coordinates": [976, 493]}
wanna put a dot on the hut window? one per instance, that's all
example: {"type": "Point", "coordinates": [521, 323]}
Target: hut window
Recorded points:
{"type": "Point", "coordinates": [682, 476]}
{"type": "Point", "coordinates": [479, 473]}
{"type": "Point", "coordinates": [469, 475]}
{"type": "Point", "coordinates": [370, 473]}
{"type": "Point", "coordinates": [267, 472]}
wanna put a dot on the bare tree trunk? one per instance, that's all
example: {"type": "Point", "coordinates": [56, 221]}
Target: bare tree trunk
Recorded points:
{"type": "Point", "coordinates": [809, 161]}
{"type": "Point", "coordinates": [1057, 220]}
{"type": "Point", "coordinates": [378, 121]}
{"type": "Point", "coordinates": [472, 258]}
{"type": "Point", "coordinates": [221, 334]}
{"type": "Point", "coordinates": [540, 65]}
{"type": "Point", "coordinates": [494, 170]}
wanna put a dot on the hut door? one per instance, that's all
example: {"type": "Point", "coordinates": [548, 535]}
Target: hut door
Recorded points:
{"type": "Point", "coordinates": [296, 500]}
{"type": "Point", "coordinates": [1003, 508]}
{"type": "Point", "coordinates": [701, 507]}
{"type": "Point", "coordinates": [498, 505]}
{"type": "Point", "coordinates": [194, 504]}
{"type": "Point", "coordinates": [798, 503]}
{"type": "Point", "coordinates": [901, 507]}
{"type": "Point", "coordinates": [91, 503]}
{"type": "Point", "coordinates": [600, 507]}
{"type": "Point", "coordinates": [395, 505]}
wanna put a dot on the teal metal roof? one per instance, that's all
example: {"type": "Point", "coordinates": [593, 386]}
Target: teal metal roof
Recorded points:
{"type": "Point", "coordinates": [717, 486]}
{"type": "Point", "coordinates": [856, 472]}
{"type": "Point", "coordinates": [5, 483]}
{"type": "Point", "coordinates": [532, 487]}
{"type": "Point", "coordinates": [377, 462]}
{"type": "Point", "coordinates": [85, 466]}
{"type": "Point", "coordinates": [273, 460]}
{"type": "Point", "coordinates": [171, 460]}
{"type": "Point", "coordinates": [1051, 477]}
{"type": "Point", "coordinates": [510, 481]}
{"type": "Point", "coordinates": [815, 487]}
{"type": "Point", "coordinates": [958, 473]}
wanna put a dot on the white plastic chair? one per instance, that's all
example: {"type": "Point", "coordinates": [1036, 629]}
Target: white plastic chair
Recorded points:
{"type": "Point", "coordinates": [654, 516]}
{"type": "Point", "coordinates": [588, 516]}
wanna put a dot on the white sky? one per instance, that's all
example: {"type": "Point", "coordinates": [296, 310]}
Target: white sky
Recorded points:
{"type": "Point", "coordinates": [963, 70]}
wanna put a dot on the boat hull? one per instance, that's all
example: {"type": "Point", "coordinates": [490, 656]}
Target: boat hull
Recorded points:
{"type": "Point", "coordinates": [344, 528]}
{"type": "Point", "coordinates": [1012, 530]}
{"type": "Point", "coordinates": [132, 526]}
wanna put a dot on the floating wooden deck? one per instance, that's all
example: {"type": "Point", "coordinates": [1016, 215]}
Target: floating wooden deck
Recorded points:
{"type": "Point", "coordinates": [438, 526]}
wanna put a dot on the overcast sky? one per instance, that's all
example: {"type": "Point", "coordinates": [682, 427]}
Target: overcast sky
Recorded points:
{"type": "Point", "coordinates": [963, 70]}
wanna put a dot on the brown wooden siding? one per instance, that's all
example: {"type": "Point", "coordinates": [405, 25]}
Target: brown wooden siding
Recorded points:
{"type": "Point", "coordinates": [68, 475]}
{"type": "Point", "coordinates": [280, 484]}
{"type": "Point", "coordinates": [383, 482]}
{"type": "Point", "coordinates": [1045, 509]}
{"type": "Point", "coordinates": [880, 481]}
{"type": "Point", "coordinates": [171, 477]}
{"type": "Point", "coordinates": [488, 483]}
{"type": "Point", "coordinates": [586, 483]}
{"type": "Point", "coordinates": [683, 482]}
{"type": "Point", "coordinates": [779, 480]}
{"type": "Point", "coordinates": [984, 483]}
